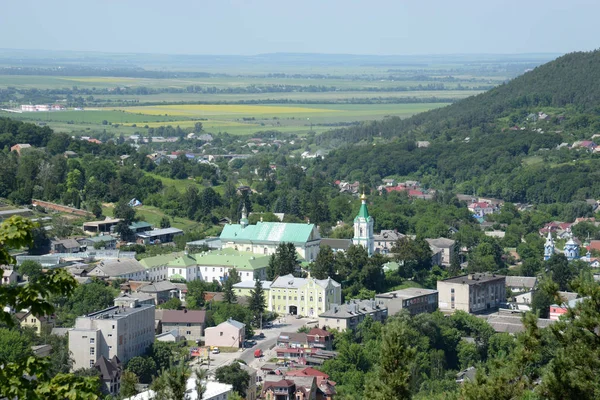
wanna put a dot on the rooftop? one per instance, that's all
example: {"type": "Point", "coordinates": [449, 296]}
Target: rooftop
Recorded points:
{"type": "Point", "coordinates": [223, 258]}
{"type": "Point", "coordinates": [183, 316]}
{"type": "Point", "coordinates": [160, 232]}
{"type": "Point", "coordinates": [521, 281]}
{"type": "Point", "coordinates": [101, 238]}
{"type": "Point", "coordinates": [474, 279]}
{"type": "Point", "coordinates": [441, 243]}
{"type": "Point", "coordinates": [407, 293]}
{"type": "Point", "coordinates": [103, 222]}
{"type": "Point", "coordinates": [118, 267]}
{"type": "Point", "coordinates": [353, 308]}
{"type": "Point", "coordinates": [290, 281]}
{"type": "Point", "coordinates": [266, 285]}
{"type": "Point", "coordinates": [343, 244]}
{"type": "Point", "coordinates": [117, 312]}
{"type": "Point", "coordinates": [269, 232]}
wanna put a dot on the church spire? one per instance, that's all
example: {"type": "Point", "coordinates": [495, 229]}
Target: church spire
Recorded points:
{"type": "Point", "coordinates": [244, 219]}
{"type": "Point", "coordinates": [363, 227]}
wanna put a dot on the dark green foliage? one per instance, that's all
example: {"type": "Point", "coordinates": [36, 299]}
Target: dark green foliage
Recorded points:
{"type": "Point", "coordinates": [143, 367]}
{"type": "Point", "coordinates": [86, 299]}
{"type": "Point", "coordinates": [257, 303]}
{"type": "Point", "coordinates": [172, 304]}
{"type": "Point", "coordinates": [283, 262]}
{"type": "Point", "coordinates": [30, 269]}
{"type": "Point", "coordinates": [324, 265]}
{"type": "Point", "coordinates": [234, 375]}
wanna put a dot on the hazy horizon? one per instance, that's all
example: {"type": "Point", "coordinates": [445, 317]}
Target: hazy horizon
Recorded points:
{"type": "Point", "coordinates": [378, 27]}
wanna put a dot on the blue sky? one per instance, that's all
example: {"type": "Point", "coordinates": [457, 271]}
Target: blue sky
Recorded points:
{"type": "Point", "coordinates": [308, 26]}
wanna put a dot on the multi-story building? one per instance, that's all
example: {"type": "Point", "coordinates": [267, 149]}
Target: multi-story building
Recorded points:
{"type": "Point", "coordinates": [264, 237]}
{"type": "Point", "coordinates": [446, 248]}
{"type": "Point", "coordinates": [188, 323]}
{"type": "Point", "coordinates": [415, 300]}
{"type": "Point", "coordinates": [122, 331]}
{"type": "Point", "coordinates": [302, 296]}
{"type": "Point", "coordinates": [352, 313]}
{"type": "Point", "coordinates": [230, 333]}
{"type": "Point", "coordinates": [386, 240]}
{"type": "Point", "coordinates": [472, 293]}
{"type": "Point", "coordinates": [214, 265]}
{"type": "Point", "coordinates": [40, 324]}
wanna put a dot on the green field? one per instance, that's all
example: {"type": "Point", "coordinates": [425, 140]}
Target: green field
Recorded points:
{"type": "Point", "coordinates": [234, 119]}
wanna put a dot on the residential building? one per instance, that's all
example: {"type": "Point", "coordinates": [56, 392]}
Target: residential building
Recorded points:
{"type": "Point", "coordinates": [521, 284]}
{"type": "Point", "coordinates": [20, 147]}
{"type": "Point", "coordinates": [41, 323]}
{"type": "Point", "coordinates": [110, 374]}
{"type": "Point", "coordinates": [363, 228]}
{"type": "Point", "coordinates": [9, 277]}
{"type": "Point", "coordinates": [157, 236]}
{"type": "Point", "coordinates": [118, 268]}
{"type": "Point", "coordinates": [447, 247]}
{"type": "Point", "coordinates": [230, 333]}
{"type": "Point", "coordinates": [106, 242]}
{"type": "Point", "coordinates": [472, 293]}
{"type": "Point", "coordinates": [119, 331]}
{"type": "Point", "coordinates": [351, 313]}
{"type": "Point", "coordinates": [170, 337]}
{"type": "Point", "coordinates": [415, 300]}
{"type": "Point", "coordinates": [42, 350]}
{"type": "Point", "coordinates": [320, 338]}
{"type": "Point", "coordinates": [214, 391]}
{"type": "Point", "coordinates": [292, 340]}
{"type": "Point", "coordinates": [100, 226]}
{"type": "Point", "coordinates": [386, 240]}
{"type": "Point", "coordinates": [304, 384]}
{"type": "Point", "coordinates": [188, 323]}
{"type": "Point", "coordinates": [127, 298]}
{"type": "Point", "coordinates": [244, 288]}
{"type": "Point", "coordinates": [161, 291]}
{"type": "Point", "coordinates": [556, 310]}
{"type": "Point", "coordinates": [303, 296]}
{"type": "Point", "coordinates": [251, 389]}
{"type": "Point", "coordinates": [65, 246]}
{"type": "Point", "coordinates": [264, 237]}
{"type": "Point", "coordinates": [140, 226]}
{"type": "Point", "coordinates": [325, 387]}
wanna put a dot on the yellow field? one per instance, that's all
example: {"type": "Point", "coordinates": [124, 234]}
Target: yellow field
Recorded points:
{"type": "Point", "coordinates": [195, 110]}
{"type": "Point", "coordinates": [189, 123]}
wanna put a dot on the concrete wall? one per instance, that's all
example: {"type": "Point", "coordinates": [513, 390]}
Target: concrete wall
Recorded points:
{"type": "Point", "coordinates": [61, 208]}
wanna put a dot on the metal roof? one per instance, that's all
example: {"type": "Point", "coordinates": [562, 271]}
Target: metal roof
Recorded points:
{"type": "Point", "coordinates": [269, 232]}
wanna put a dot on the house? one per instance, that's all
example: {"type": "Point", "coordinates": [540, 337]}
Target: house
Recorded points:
{"type": "Point", "coordinates": [264, 237]}
{"type": "Point", "coordinates": [467, 375]}
{"type": "Point", "coordinates": [100, 226]}
{"type": "Point", "coordinates": [170, 336]}
{"type": "Point", "coordinates": [20, 147]}
{"type": "Point", "coordinates": [161, 291]}
{"type": "Point", "coordinates": [353, 312]}
{"type": "Point", "coordinates": [304, 384]}
{"type": "Point", "coordinates": [520, 284]}
{"type": "Point", "coordinates": [70, 154]}
{"type": "Point", "coordinates": [140, 226]}
{"type": "Point", "coordinates": [230, 333]}
{"type": "Point", "coordinates": [106, 242]}
{"type": "Point", "coordinates": [446, 246]}
{"type": "Point", "coordinates": [157, 236]}
{"type": "Point", "coordinates": [9, 277]}
{"type": "Point", "coordinates": [320, 338]}
{"type": "Point", "coordinates": [481, 208]}
{"type": "Point", "coordinates": [302, 296]}
{"type": "Point", "coordinates": [385, 240]}
{"type": "Point", "coordinates": [415, 300]}
{"type": "Point", "coordinates": [188, 323]}
{"type": "Point", "coordinates": [39, 324]}
{"type": "Point", "coordinates": [556, 310]}
{"type": "Point", "coordinates": [42, 350]}
{"type": "Point", "coordinates": [337, 245]}
{"type": "Point", "coordinates": [214, 391]}
{"type": "Point", "coordinates": [110, 374]}
{"type": "Point", "coordinates": [65, 246]}
{"type": "Point", "coordinates": [119, 331]}
{"type": "Point", "coordinates": [472, 293]}
{"type": "Point", "coordinates": [127, 299]}
{"type": "Point", "coordinates": [292, 340]}
{"type": "Point", "coordinates": [119, 268]}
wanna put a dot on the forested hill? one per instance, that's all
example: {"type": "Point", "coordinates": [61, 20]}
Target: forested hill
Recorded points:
{"type": "Point", "coordinates": [572, 80]}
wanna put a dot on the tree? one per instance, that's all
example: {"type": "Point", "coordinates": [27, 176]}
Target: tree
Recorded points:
{"type": "Point", "coordinates": [31, 269]}
{"type": "Point", "coordinates": [229, 295]}
{"type": "Point", "coordinates": [561, 272]}
{"type": "Point", "coordinates": [16, 232]}
{"type": "Point", "coordinates": [197, 129]}
{"type": "Point", "coordinates": [87, 298]}
{"type": "Point", "coordinates": [13, 346]}
{"type": "Point", "coordinates": [124, 211]}
{"type": "Point", "coordinates": [392, 377]}
{"type": "Point", "coordinates": [257, 301]}
{"type": "Point", "coordinates": [172, 304]}
{"type": "Point", "coordinates": [171, 384]}
{"type": "Point", "coordinates": [233, 374]}
{"type": "Point", "coordinates": [128, 382]}
{"type": "Point", "coordinates": [165, 222]}
{"type": "Point", "coordinates": [143, 367]}
{"type": "Point", "coordinates": [123, 229]}
{"type": "Point", "coordinates": [324, 265]}
{"type": "Point", "coordinates": [96, 209]}
{"type": "Point", "coordinates": [200, 375]}
{"type": "Point", "coordinates": [161, 353]}
{"type": "Point", "coordinates": [413, 256]}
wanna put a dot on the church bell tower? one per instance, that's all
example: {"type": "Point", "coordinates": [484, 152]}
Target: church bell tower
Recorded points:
{"type": "Point", "coordinates": [363, 228]}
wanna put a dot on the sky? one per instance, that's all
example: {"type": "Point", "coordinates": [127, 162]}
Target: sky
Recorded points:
{"type": "Point", "coordinates": [393, 27]}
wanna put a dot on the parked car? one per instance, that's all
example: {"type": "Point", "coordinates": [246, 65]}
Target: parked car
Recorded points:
{"type": "Point", "coordinates": [258, 353]}
{"type": "Point", "coordinates": [216, 350]}
{"type": "Point", "coordinates": [268, 325]}
{"type": "Point", "coordinates": [261, 335]}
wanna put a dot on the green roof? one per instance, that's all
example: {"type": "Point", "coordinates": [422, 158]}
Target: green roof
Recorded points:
{"type": "Point", "coordinates": [390, 266]}
{"type": "Point", "coordinates": [279, 232]}
{"type": "Point", "coordinates": [363, 212]}
{"type": "Point", "coordinates": [225, 257]}
{"type": "Point", "coordinates": [140, 224]}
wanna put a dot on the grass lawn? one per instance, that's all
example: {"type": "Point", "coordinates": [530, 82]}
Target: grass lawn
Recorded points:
{"type": "Point", "coordinates": [153, 215]}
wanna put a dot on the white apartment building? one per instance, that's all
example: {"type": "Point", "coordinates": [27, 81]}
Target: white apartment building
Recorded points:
{"type": "Point", "coordinates": [472, 293]}
{"type": "Point", "coordinates": [122, 331]}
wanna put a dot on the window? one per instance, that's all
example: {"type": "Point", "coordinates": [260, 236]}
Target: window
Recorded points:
{"type": "Point", "coordinates": [92, 351]}
{"type": "Point", "coordinates": [273, 297]}
{"type": "Point", "coordinates": [110, 335]}
{"type": "Point", "coordinates": [311, 298]}
{"type": "Point", "coordinates": [284, 297]}
{"type": "Point", "coordinates": [84, 337]}
{"type": "Point", "coordinates": [278, 297]}
{"type": "Point", "coordinates": [92, 340]}
{"type": "Point", "coordinates": [220, 333]}
{"type": "Point", "coordinates": [188, 324]}
{"type": "Point", "coordinates": [188, 332]}
{"type": "Point", "coordinates": [320, 299]}
{"type": "Point", "coordinates": [113, 327]}
{"type": "Point", "coordinates": [92, 363]}
{"type": "Point", "coordinates": [301, 298]}
{"type": "Point", "coordinates": [295, 297]}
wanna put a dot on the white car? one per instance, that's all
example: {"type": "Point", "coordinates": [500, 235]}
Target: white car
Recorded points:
{"type": "Point", "coordinates": [215, 350]}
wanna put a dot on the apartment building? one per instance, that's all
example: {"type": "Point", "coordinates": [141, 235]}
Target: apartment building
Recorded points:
{"type": "Point", "coordinates": [124, 331]}
{"type": "Point", "coordinates": [472, 293]}
{"type": "Point", "coordinates": [415, 300]}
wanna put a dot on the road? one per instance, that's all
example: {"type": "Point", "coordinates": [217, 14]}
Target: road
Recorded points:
{"type": "Point", "coordinates": [286, 324]}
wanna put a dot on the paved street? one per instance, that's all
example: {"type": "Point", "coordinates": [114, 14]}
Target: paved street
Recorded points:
{"type": "Point", "coordinates": [285, 324]}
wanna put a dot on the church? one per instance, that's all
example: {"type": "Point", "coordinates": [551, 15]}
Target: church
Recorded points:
{"type": "Point", "coordinates": [264, 237]}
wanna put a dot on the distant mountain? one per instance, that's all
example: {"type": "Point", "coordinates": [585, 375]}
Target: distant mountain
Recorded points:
{"type": "Point", "coordinates": [572, 80]}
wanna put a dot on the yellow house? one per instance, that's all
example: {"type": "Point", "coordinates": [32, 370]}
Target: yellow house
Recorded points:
{"type": "Point", "coordinates": [39, 324]}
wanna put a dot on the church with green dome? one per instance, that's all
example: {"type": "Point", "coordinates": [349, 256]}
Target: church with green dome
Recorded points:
{"type": "Point", "coordinates": [363, 228]}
